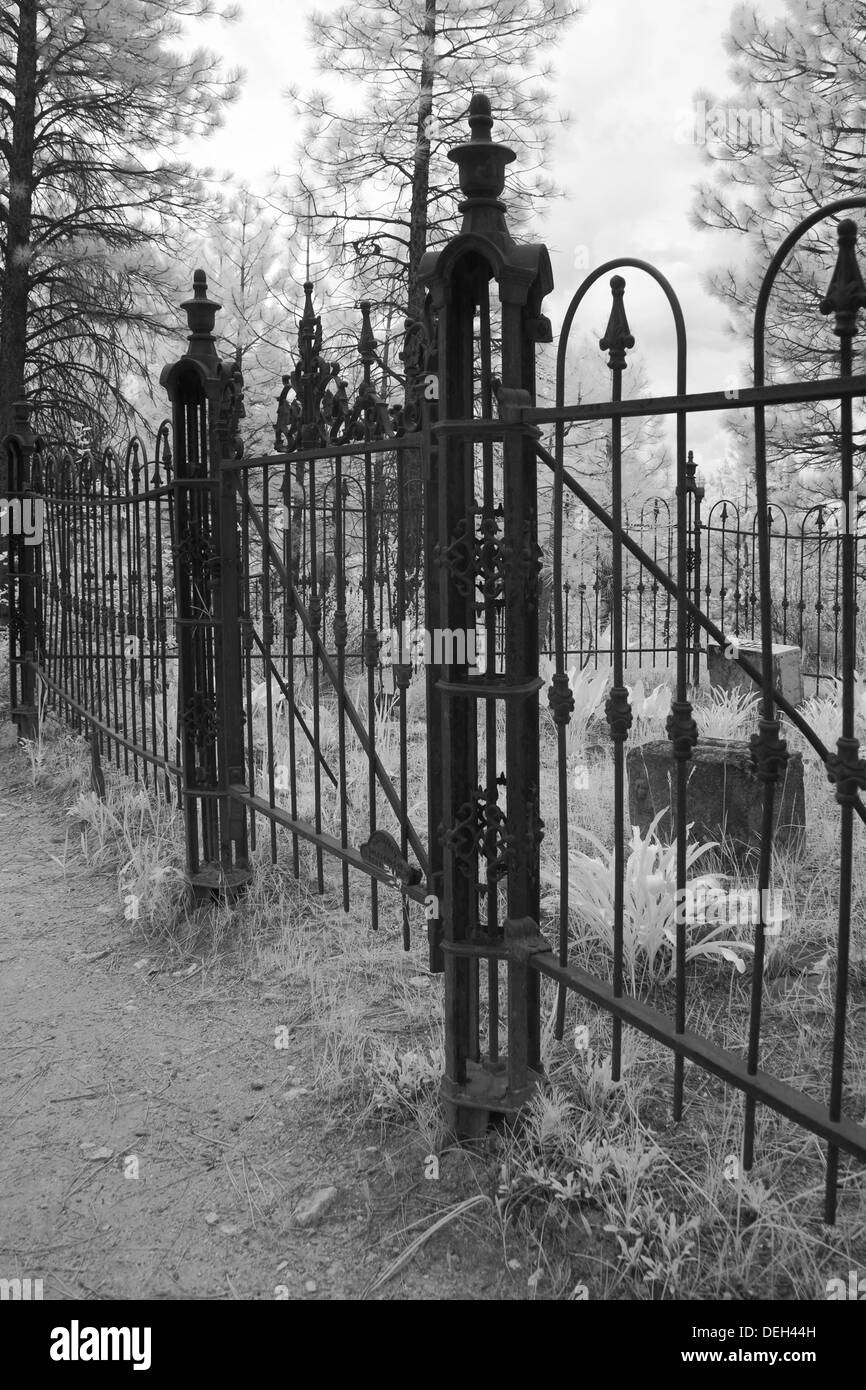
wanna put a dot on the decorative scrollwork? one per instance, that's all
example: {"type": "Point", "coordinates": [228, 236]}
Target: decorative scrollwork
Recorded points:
{"type": "Point", "coordinates": [420, 366]}
{"type": "Point", "coordinates": [479, 832]}
{"type": "Point", "coordinates": [306, 421]}
{"type": "Point", "coordinates": [313, 407]}
{"type": "Point", "coordinates": [199, 718]}
{"type": "Point", "coordinates": [459, 558]}
{"type": "Point", "coordinates": [320, 412]}
{"type": "Point", "coordinates": [560, 697]}
{"type": "Point", "coordinates": [769, 751]}
{"type": "Point", "coordinates": [476, 561]}
{"type": "Point", "coordinates": [846, 770]}
{"type": "Point", "coordinates": [231, 412]}
{"type": "Point", "coordinates": [529, 841]}
{"type": "Point", "coordinates": [525, 560]}
{"type": "Point", "coordinates": [617, 710]}
{"type": "Point", "coordinates": [195, 549]}
{"type": "Point", "coordinates": [682, 729]}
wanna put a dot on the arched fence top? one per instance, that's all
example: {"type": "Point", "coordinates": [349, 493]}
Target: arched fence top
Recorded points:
{"type": "Point", "coordinates": [830, 210]}
{"type": "Point", "coordinates": [620, 263]}
{"type": "Point", "coordinates": [777, 516]}
{"type": "Point", "coordinates": [659, 508]}
{"type": "Point", "coordinates": [823, 520]}
{"type": "Point", "coordinates": [721, 513]}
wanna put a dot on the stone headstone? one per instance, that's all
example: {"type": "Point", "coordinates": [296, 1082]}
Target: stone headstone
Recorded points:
{"type": "Point", "coordinates": [8, 736]}
{"type": "Point", "coordinates": [724, 798]}
{"type": "Point", "coordinates": [726, 673]}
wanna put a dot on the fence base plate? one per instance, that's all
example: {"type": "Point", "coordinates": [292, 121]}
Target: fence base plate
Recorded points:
{"type": "Point", "coordinates": [213, 881]}
{"type": "Point", "coordinates": [484, 1099]}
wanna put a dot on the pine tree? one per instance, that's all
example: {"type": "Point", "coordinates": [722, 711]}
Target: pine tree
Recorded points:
{"type": "Point", "coordinates": [375, 170]}
{"type": "Point", "coordinates": [790, 138]}
{"type": "Point", "coordinates": [95, 96]}
{"type": "Point", "coordinates": [247, 258]}
{"type": "Point", "coordinates": [374, 175]}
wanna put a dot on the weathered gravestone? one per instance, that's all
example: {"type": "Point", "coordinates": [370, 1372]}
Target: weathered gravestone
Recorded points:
{"type": "Point", "coordinates": [724, 795]}
{"type": "Point", "coordinates": [728, 674]}
{"type": "Point", "coordinates": [8, 736]}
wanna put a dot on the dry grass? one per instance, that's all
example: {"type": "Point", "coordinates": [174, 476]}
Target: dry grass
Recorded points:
{"type": "Point", "coordinates": [597, 1193]}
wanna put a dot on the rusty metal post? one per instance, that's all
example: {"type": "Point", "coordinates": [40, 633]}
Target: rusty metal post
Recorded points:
{"type": "Point", "coordinates": [422, 366]}
{"type": "Point", "coordinates": [695, 498]}
{"type": "Point", "coordinates": [21, 506]}
{"type": "Point", "coordinates": [491, 825]}
{"type": "Point", "coordinates": [207, 401]}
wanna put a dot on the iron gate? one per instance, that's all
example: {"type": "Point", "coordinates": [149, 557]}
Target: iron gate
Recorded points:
{"type": "Point", "coordinates": [484, 469]}
{"type": "Point", "coordinates": [286, 589]}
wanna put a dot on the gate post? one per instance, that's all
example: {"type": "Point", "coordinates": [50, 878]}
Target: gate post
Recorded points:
{"type": "Point", "coordinates": [486, 551]}
{"type": "Point", "coordinates": [21, 510]}
{"type": "Point", "coordinates": [206, 397]}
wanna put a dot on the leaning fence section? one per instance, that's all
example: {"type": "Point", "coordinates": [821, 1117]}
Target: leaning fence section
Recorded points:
{"type": "Point", "coordinates": [305, 616]}
{"type": "Point", "coordinates": [98, 603]}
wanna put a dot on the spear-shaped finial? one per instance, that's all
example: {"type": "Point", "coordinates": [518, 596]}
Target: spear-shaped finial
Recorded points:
{"type": "Point", "coordinates": [618, 337]}
{"type": "Point", "coordinates": [847, 293]}
{"type": "Point", "coordinates": [366, 340]}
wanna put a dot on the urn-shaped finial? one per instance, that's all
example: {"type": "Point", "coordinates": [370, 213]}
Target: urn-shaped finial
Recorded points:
{"type": "Point", "coordinates": [482, 160]}
{"type": "Point", "coordinates": [366, 340]}
{"type": "Point", "coordinates": [201, 315]}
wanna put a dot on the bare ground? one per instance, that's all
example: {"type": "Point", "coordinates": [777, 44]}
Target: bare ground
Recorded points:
{"type": "Point", "coordinates": [153, 1148]}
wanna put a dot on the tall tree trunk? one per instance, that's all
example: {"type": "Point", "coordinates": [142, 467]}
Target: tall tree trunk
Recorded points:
{"type": "Point", "coordinates": [414, 505]}
{"type": "Point", "coordinates": [15, 276]}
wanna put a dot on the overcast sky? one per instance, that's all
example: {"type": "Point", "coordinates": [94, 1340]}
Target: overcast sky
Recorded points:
{"type": "Point", "coordinates": [627, 72]}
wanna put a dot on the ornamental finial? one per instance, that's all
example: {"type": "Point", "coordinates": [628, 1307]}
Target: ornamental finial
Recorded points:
{"type": "Point", "coordinates": [847, 293]}
{"type": "Point", "coordinates": [481, 160]}
{"type": "Point", "coordinates": [366, 340]}
{"type": "Point", "coordinates": [201, 315]}
{"type": "Point", "coordinates": [618, 335]}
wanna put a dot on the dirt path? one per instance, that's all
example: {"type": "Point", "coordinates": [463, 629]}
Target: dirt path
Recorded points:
{"type": "Point", "coordinates": [153, 1147]}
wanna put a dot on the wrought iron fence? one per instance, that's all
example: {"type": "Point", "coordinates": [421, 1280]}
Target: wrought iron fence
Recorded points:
{"type": "Point", "coordinates": [722, 558]}
{"type": "Point", "coordinates": [285, 567]}
{"type": "Point", "coordinates": [293, 565]}
{"type": "Point", "coordinates": [92, 611]}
